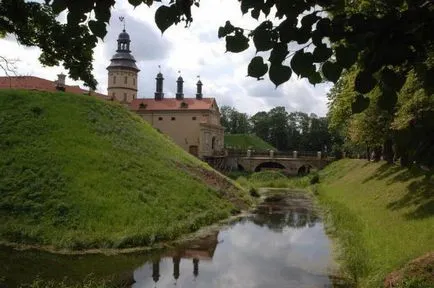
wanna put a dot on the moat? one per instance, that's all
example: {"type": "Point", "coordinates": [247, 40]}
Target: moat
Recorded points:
{"type": "Point", "coordinates": [282, 244]}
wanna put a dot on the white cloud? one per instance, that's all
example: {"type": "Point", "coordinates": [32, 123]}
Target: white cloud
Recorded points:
{"type": "Point", "coordinates": [194, 51]}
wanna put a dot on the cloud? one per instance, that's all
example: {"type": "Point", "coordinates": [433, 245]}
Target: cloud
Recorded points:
{"type": "Point", "coordinates": [194, 51]}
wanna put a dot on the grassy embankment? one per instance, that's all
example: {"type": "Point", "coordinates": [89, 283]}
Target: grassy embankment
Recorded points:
{"type": "Point", "coordinates": [382, 216]}
{"type": "Point", "coordinates": [77, 172]}
{"type": "Point", "coordinates": [246, 141]}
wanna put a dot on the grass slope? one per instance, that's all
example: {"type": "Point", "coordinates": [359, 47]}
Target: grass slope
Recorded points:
{"type": "Point", "coordinates": [245, 141]}
{"type": "Point", "coordinates": [77, 172]}
{"type": "Point", "coordinates": [382, 216]}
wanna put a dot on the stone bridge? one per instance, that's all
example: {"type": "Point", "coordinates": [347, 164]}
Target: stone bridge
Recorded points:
{"type": "Point", "coordinates": [295, 163]}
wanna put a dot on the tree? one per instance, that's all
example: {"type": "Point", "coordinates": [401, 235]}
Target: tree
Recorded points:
{"type": "Point", "coordinates": [261, 125]}
{"type": "Point", "coordinates": [8, 66]}
{"type": "Point", "coordinates": [333, 35]}
{"type": "Point", "coordinates": [234, 122]}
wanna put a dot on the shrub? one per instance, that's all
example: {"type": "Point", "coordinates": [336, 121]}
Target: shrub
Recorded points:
{"type": "Point", "coordinates": [314, 179]}
{"type": "Point", "coordinates": [253, 192]}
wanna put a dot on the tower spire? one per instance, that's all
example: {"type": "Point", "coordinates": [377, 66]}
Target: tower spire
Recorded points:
{"type": "Point", "coordinates": [122, 19]}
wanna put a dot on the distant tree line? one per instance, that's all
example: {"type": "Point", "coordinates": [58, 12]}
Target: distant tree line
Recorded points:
{"type": "Point", "coordinates": [285, 131]}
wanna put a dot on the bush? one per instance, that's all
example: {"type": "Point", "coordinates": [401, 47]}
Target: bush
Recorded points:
{"type": "Point", "coordinates": [314, 179]}
{"type": "Point", "coordinates": [267, 176]}
{"type": "Point", "coordinates": [253, 192]}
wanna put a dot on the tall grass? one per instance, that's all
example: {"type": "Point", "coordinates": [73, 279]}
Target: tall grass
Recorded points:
{"type": "Point", "coordinates": [381, 215]}
{"type": "Point", "coordinates": [77, 172]}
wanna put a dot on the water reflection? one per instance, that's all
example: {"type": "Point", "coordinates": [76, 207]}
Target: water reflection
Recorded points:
{"type": "Point", "coordinates": [282, 244]}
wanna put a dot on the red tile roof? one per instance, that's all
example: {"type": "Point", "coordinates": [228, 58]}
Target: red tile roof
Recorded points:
{"type": "Point", "coordinates": [171, 104]}
{"type": "Point", "coordinates": [36, 83]}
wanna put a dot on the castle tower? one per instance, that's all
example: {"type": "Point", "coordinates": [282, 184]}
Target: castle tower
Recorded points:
{"type": "Point", "coordinates": [122, 72]}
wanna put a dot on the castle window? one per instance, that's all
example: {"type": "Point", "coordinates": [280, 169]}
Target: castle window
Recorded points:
{"type": "Point", "coordinates": [160, 118]}
{"type": "Point", "coordinates": [114, 79]}
{"type": "Point", "coordinates": [193, 118]}
{"type": "Point", "coordinates": [125, 96]}
{"type": "Point", "coordinates": [134, 81]}
{"type": "Point", "coordinates": [125, 80]}
{"type": "Point", "coordinates": [173, 119]}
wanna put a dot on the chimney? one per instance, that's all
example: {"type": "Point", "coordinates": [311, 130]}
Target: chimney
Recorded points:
{"type": "Point", "coordinates": [159, 95]}
{"type": "Point", "coordinates": [180, 92]}
{"type": "Point", "coordinates": [60, 83]}
{"type": "Point", "coordinates": [199, 90]}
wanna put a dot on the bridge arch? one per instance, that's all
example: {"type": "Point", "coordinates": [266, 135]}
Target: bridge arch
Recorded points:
{"type": "Point", "coordinates": [269, 165]}
{"type": "Point", "coordinates": [306, 168]}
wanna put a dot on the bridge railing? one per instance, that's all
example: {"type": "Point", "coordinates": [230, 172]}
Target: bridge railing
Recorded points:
{"type": "Point", "coordinates": [276, 154]}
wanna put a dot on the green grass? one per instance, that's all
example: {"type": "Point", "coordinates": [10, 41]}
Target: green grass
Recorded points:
{"type": "Point", "coordinates": [271, 179]}
{"type": "Point", "coordinates": [77, 172]}
{"type": "Point", "coordinates": [246, 141]}
{"type": "Point", "coordinates": [381, 215]}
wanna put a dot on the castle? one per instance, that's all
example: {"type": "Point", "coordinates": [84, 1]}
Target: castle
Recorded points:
{"type": "Point", "coordinates": [192, 122]}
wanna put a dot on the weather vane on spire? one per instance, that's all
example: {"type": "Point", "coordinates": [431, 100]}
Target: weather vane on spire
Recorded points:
{"type": "Point", "coordinates": [122, 19]}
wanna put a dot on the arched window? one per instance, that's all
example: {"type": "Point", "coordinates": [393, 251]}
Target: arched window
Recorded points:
{"type": "Point", "coordinates": [134, 81]}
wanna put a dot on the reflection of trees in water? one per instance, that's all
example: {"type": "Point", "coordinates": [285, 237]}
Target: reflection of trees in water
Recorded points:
{"type": "Point", "coordinates": [277, 217]}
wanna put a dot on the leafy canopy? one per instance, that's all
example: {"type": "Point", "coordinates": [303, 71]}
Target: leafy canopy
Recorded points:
{"type": "Point", "coordinates": [329, 35]}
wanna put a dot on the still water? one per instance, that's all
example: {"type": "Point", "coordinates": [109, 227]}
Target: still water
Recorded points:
{"type": "Point", "coordinates": [282, 244]}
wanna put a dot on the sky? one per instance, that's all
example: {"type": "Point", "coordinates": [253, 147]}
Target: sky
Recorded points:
{"type": "Point", "coordinates": [193, 51]}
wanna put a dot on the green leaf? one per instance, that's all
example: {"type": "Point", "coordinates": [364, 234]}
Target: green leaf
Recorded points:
{"type": "Point", "coordinates": [237, 43]}
{"type": "Point", "coordinates": [279, 74]}
{"type": "Point", "coordinates": [287, 31]}
{"type": "Point", "coordinates": [322, 53]}
{"type": "Point", "coordinates": [102, 13]}
{"type": "Point", "coordinates": [303, 35]}
{"type": "Point", "coordinates": [360, 104]}
{"type": "Point", "coordinates": [309, 19]}
{"type": "Point", "coordinates": [255, 13]}
{"type": "Point", "coordinates": [278, 54]}
{"type": "Point", "coordinates": [314, 78]}
{"type": "Point", "coordinates": [324, 27]}
{"type": "Point", "coordinates": [58, 6]}
{"type": "Point", "coordinates": [364, 82]}
{"type": "Point", "coordinates": [135, 3]}
{"type": "Point", "coordinates": [165, 17]}
{"type": "Point", "coordinates": [227, 29]}
{"type": "Point", "coordinates": [262, 36]}
{"type": "Point", "coordinates": [391, 79]}
{"type": "Point", "coordinates": [257, 68]}
{"type": "Point", "coordinates": [98, 28]}
{"type": "Point", "coordinates": [331, 71]}
{"type": "Point", "coordinates": [346, 56]}
{"type": "Point", "coordinates": [302, 63]}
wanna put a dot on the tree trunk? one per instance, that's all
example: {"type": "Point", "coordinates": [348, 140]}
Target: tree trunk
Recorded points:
{"type": "Point", "coordinates": [377, 153]}
{"type": "Point", "coordinates": [388, 151]}
{"type": "Point", "coordinates": [368, 153]}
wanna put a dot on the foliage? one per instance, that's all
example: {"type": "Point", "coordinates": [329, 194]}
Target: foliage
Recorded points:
{"type": "Point", "coordinates": [246, 141]}
{"type": "Point", "coordinates": [380, 215]}
{"type": "Point", "coordinates": [292, 131]}
{"type": "Point", "coordinates": [329, 36]}
{"type": "Point", "coordinates": [400, 129]}
{"type": "Point", "coordinates": [233, 121]}
{"type": "Point", "coordinates": [101, 177]}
